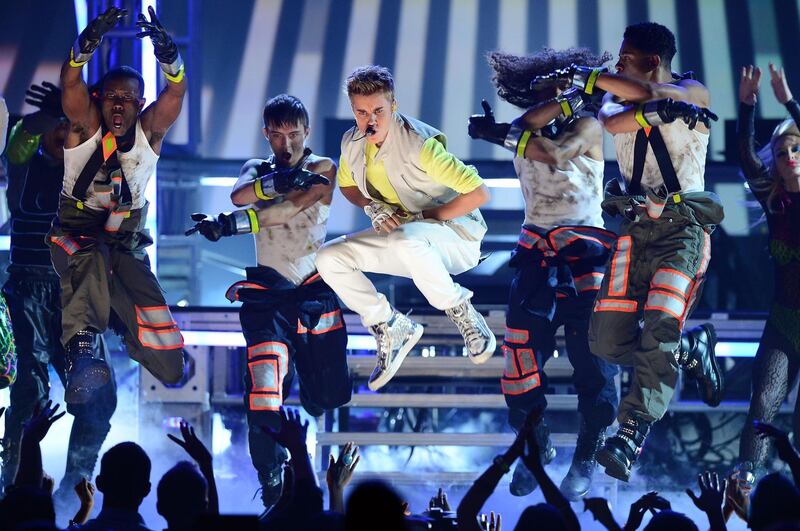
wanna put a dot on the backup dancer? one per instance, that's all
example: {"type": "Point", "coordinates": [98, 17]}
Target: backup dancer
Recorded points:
{"type": "Point", "coordinates": [560, 256]}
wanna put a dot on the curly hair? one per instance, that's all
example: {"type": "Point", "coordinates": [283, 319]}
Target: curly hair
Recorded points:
{"type": "Point", "coordinates": [512, 74]}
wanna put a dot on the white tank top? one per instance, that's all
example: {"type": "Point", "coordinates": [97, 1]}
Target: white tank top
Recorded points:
{"type": "Point", "coordinates": [291, 249]}
{"type": "Point", "coordinates": [138, 165]}
{"type": "Point", "coordinates": [562, 196]}
{"type": "Point", "coordinates": [687, 148]}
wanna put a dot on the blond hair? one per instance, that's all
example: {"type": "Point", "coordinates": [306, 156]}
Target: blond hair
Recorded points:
{"type": "Point", "coordinates": [767, 155]}
{"type": "Point", "coordinates": [368, 80]}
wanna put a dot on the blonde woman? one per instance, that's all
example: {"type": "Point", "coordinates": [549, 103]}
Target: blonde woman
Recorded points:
{"type": "Point", "coordinates": [773, 175]}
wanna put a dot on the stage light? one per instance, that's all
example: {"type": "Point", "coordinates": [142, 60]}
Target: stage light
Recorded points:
{"type": "Point", "coordinates": [224, 182]}
{"type": "Point", "coordinates": [150, 76]}
{"type": "Point", "coordinates": [82, 20]}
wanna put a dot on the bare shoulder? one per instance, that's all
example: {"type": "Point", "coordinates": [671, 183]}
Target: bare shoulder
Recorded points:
{"type": "Point", "coordinates": [320, 165]}
{"type": "Point", "coordinates": [250, 165]}
{"type": "Point", "coordinates": [697, 93]}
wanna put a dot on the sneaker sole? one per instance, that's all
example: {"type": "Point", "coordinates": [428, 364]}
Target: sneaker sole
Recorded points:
{"type": "Point", "coordinates": [712, 335]}
{"type": "Point", "coordinates": [83, 385]}
{"type": "Point", "coordinates": [613, 466]}
{"type": "Point", "coordinates": [398, 360]}
{"type": "Point", "coordinates": [484, 356]}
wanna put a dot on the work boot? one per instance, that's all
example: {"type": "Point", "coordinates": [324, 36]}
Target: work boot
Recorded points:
{"type": "Point", "coordinates": [622, 450]}
{"type": "Point", "coordinates": [271, 486]}
{"type": "Point", "coordinates": [395, 339]}
{"type": "Point", "coordinates": [578, 481]}
{"type": "Point", "coordinates": [522, 481]}
{"type": "Point", "coordinates": [86, 371]}
{"type": "Point", "coordinates": [697, 360]}
{"type": "Point", "coordinates": [478, 338]}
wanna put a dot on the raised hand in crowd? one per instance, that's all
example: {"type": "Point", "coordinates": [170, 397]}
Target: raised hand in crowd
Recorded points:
{"type": "Point", "coordinates": [39, 424]}
{"type": "Point", "coordinates": [292, 433]}
{"type": "Point", "coordinates": [30, 459]}
{"type": "Point", "coordinates": [340, 472]}
{"type": "Point", "coordinates": [85, 492]}
{"type": "Point", "coordinates": [491, 522]}
{"type": "Point", "coordinates": [652, 502]}
{"type": "Point", "coordinates": [552, 494]}
{"type": "Point", "coordinates": [601, 512]}
{"type": "Point", "coordinates": [779, 85]}
{"type": "Point", "coordinates": [712, 495]}
{"type": "Point", "coordinates": [440, 501]}
{"type": "Point", "coordinates": [786, 451]}
{"type": "Point", "coordinates": [48, 483]}
{"type": "Point", "coordinates": [198, 451]}
{"type": "Point", "coordinates": [737, 497]}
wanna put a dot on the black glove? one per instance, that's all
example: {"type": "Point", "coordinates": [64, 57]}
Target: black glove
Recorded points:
{"type": "Point", "coordinates": [561, 77]}
{"type": "Point", "coordinates": [484, 127]}
{"type": "Point", "coordinates": [213, 229]}
{"type": "Point", "coordinates": [164, 47]}
{"type": "Point", "coordinates": [90, 37]}
{"type": "Point", "coordinates": [278, 181]}
{"type": "Point", "coordinates": [670, 110]}
{"type": "Point", "coordinates": [47, 97]}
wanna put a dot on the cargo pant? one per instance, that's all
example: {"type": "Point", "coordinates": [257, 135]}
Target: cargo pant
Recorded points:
{"type": "Point", "coordinates": [654, 275]}
{"type": "Point", "coordinates": [558, 273]}
{"type": "Point", "coordinates": [101, 270]}
{"type": "Point", "coordinates": [289, 330]}
{"type": "Point", "coordinates": [33, 302]}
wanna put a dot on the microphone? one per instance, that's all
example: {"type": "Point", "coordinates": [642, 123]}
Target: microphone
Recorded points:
{"type": "Point", "coordinates": [369, 131]}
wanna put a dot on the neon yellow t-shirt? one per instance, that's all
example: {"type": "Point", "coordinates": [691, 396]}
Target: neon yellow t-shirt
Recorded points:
{"type": "Point", "coordinates": [441, 166]}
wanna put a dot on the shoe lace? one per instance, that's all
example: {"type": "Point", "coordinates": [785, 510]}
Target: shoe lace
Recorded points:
{"type": "Point", "coordinates": [460, 315]}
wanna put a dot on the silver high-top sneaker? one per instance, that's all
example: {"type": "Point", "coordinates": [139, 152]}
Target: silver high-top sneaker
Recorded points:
{"type": "Point", "coordinates": [478, 338]}
{"type": "Point", "coordinates": [395, 339]}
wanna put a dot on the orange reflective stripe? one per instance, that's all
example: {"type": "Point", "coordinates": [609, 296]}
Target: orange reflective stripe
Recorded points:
{"type": "Point", "coordinates": [154, 316]}
{"type": "Point", "coordinates": [664, 301]}
{"type": "Point", "coordinates": [233, 292]}
{"type": "Point", "coordinates": [615, 305]}
{"type": "Point", "coordinates": [565, 236]}
{"type": "Point", "coordinates": [706, 255]}
{"type": "Point", "coordinates": [671, 280]}
{"type": "Point", "coordinates": [620, 263]}
{"type": "Point", "coordinates": [517, 387]}
{"type": "Point", "coordinates": [313, 278]}
{"type": "Point", "coordinates": [514, 335]}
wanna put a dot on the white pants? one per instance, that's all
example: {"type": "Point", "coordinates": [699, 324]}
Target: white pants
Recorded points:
{"type": "Point", "coordinates": [427, 252]}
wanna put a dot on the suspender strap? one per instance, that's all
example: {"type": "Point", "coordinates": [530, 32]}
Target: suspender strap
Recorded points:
{"type": "Point", "coordinates": [652, 136]}
{"type": "Point", "coordinates": [664, 161]}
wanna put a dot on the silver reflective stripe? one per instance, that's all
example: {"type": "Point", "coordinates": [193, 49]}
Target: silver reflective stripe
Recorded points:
{"type": "Point", "coordinates": [516, 336]}
{"type": "Point", "coordinates": [267, 348]}
{"type": "Point", "coordinates": [511, 365]}
{"type": "Point", "coordinates": [154, 316]}
{"type": "Point", "coordinates": [265, 376]}
{"type": "Point", "coordinates": [516, 387]}
{"type": "Point", "coordinates": [670, 279]}
{"type": "Point", "coordinates": [665, 302]}
{"type": "Point", "coordinates": [619, 267]}
{"type": "Point", "coordinates": [327, 322]}
{"type": "Point", "coordinates": [528, 239]}
{"type": "Point", "coordinates": [167, 339]}
{"type": "Point", "coordinates": [527, 361]}
{"type": "Point", "coordinates": [265, 402]}
{"type": "Point", "coordinates": [612, 305]}
{"type": "Point", "coordinates": [66, 243]}
{"type": "Point", "coordinates": [588, 281]}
